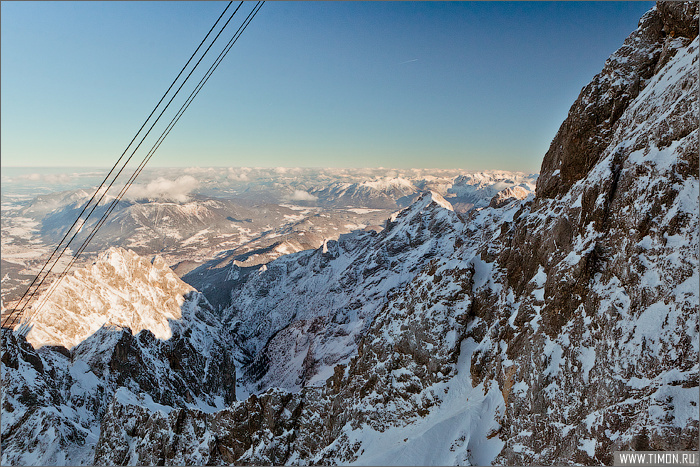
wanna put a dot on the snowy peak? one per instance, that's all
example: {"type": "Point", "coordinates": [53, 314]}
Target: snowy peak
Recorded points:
{"type": "Point", "coordinates": [432, 197]}
{"type": "Point", "coordinates": [509, 194]}
{"type": "Point", "coordinates": [128, 264]}
{"type": "Point", "coordinates": [379, 193]}
{"type": "Point", "coordinates": [120, 288]}
{"type": "Point", "coordinates": [429, 201]}
{"type": "Point", "coordinates": [389, 185]}
{"type": "Point", "coordinates": [431, 216]}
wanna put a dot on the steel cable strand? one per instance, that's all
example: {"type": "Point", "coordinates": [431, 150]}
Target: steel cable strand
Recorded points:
{"type": "Point", "coordinates": [18, 316]}
{"type": "Point", "coordinates": [17, 306]}
{"type": "Point", "coordinates": [150, 154]}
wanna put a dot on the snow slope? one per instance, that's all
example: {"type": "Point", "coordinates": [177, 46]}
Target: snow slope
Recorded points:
{"type": "Point", "coordinates": [302, 314]}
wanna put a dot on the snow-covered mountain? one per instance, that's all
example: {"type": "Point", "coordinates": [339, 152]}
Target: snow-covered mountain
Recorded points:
{"type": "Point", "coordinates": [302, 314]}
{"type": "Point", "coordinates": [384, 193]}
{"type": "Point", "coordinates": [120, 289]}
{"type": "Point", "coordinates": [186, 233]}
{"type": "Point", "coordinates": [200, 226]}
{"type": "Point", "coordinates": [547, 329]}
{"type": "Point", "coordinates": [189, 226]}
{"type": "Point", "coordinates": [144, 338]}
{"type": "Point", "coordinates": [476, 190]}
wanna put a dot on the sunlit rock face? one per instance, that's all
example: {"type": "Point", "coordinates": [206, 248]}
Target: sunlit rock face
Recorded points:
{"type": "Point", "coordinates": [55, 400]}
{"type": "Point", "coordinates": [504, 197]}
{"type": "Point", "coordinates": [119, 289]}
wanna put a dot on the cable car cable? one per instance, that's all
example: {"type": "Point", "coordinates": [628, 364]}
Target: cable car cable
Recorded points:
{"type": "Point", "coordinates": [155, 147]}
{"type": "Point", "coordinates": [14, 317]}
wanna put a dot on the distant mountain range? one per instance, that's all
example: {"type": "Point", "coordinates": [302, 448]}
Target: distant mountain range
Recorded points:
{"type": "Point", "coordinates": [180, 219]}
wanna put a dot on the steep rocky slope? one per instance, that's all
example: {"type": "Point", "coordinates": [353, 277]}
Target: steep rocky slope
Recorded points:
{"type": "Point", "coordinates": [301, 315]}
{"type": "Point", "coordinates": [597, 348]}
{"type": "Point", "coordinates": [552, 329]}
{"type": "Point", "coordinates": [120, 288]}
{"type": "Point", "coordinates": [54, 399]}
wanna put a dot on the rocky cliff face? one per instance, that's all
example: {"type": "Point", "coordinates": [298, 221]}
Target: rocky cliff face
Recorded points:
{"type": "Point", "coordinates": [553, 329]}
{"type": "Point", "coordinates": [121, 289]}
{"type": "Point", "coordinates": [599, 343]}
{"type": "Point", "coordinates": [55, 399]}
{"type": "Point", "coordinates": [596, 115]}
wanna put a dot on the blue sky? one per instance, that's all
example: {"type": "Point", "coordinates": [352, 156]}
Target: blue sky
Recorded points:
{"type": "Point", "coordinates": [473, 85]}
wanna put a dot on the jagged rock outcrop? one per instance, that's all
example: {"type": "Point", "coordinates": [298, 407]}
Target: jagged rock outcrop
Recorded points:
{"type": "Point", "coordinates": [260, 429]}
{"type": "Point", "coordinates": [594, 117]}
{"type": "Point", "coordinates": [55, 400]}
{"type": "Point", "coordinates": [50, 408]}
{"type": "Point", "coordinates": [678, 18]}
{"type": "Point", "coordinates": [121, 288]}
{"type": "Point", "coordinates": [504, 197]}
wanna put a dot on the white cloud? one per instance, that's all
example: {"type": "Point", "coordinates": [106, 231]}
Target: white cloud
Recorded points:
{"type": "Point", "coordinates": [300, 195]}
{"type": "Point", "coordinates": [47, 178]}
{"type": "Point", "coordinates": [164, 189]}
{"type": "Point", "coordinates": [238, 174]}
{"type": "Point", "coordinates": [200, 170]}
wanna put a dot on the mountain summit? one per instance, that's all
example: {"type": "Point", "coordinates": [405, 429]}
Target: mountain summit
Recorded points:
{"type": "Point", "coordinates": [119, 289]}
